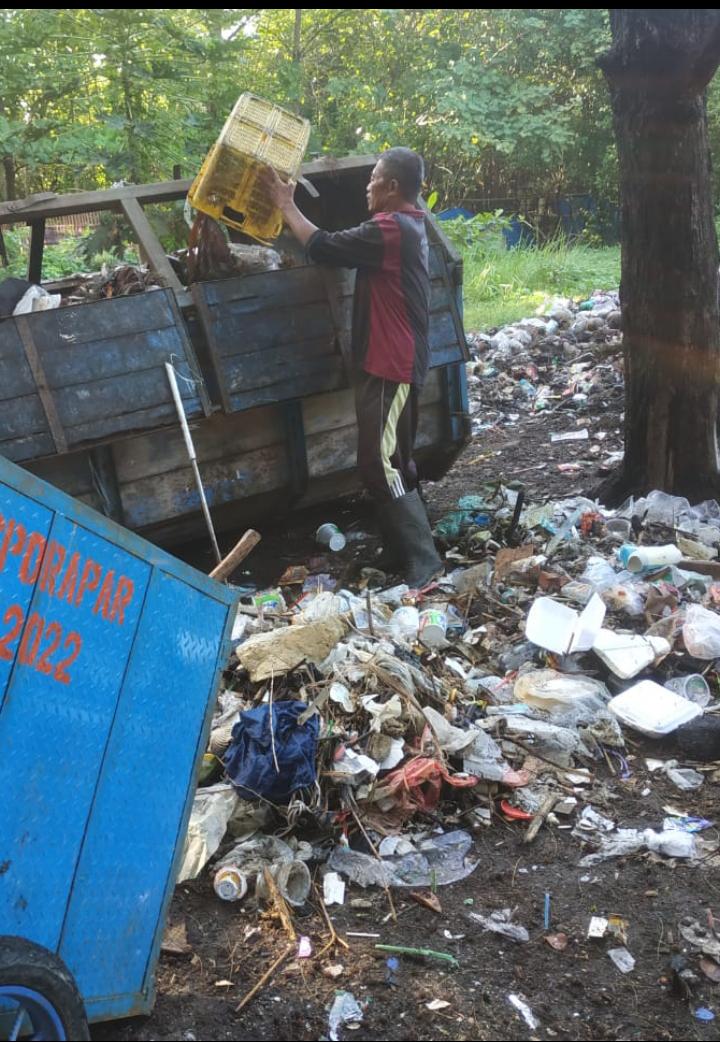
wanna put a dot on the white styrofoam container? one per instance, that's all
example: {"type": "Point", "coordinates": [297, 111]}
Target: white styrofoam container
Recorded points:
{"type": "Point", "coordinates": [653, 710]}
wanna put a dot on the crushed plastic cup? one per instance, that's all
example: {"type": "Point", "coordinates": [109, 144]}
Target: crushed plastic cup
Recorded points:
{"type": "Point", "coordinates": [330, 535]}
{"type": "Point", "coordinates": [693, 687]}
{"type": "Point", "coordinates": [433, 627]}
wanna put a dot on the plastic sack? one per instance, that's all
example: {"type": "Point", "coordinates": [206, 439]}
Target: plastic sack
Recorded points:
{"type": "Point", "coordinates": [701, 632]}
{"type": "Point", "coordinates": [250, 760]}
{"type": "Point", "coordinates": [211, 811]}
{"type": "Point", "coordinates": [37, 299]}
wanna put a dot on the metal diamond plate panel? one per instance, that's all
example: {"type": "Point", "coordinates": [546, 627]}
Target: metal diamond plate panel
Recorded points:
{"type": "Point", "coordinates": [110, 656]}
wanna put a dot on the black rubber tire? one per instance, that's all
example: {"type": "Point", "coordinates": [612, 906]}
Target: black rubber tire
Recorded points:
{"type": "Point", "coordinates": [29, 965]}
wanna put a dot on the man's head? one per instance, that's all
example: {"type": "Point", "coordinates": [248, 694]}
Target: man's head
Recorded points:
{"type": "Point", "coordinates": [395, 181]}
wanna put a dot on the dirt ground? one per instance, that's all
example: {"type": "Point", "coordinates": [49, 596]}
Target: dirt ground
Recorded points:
{"type": "Point", "coordinates": [576, 993]}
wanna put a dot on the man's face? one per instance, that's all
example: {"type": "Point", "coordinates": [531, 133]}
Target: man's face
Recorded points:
{"type": "Point", "coordinates": [380, 189]}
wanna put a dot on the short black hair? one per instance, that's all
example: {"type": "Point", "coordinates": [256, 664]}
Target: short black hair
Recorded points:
{"type": "Point", "coordinates": [407, 168]}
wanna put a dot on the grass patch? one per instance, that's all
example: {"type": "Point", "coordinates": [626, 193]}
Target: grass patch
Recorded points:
{"type": "Point", "coordinates": [502, 286]}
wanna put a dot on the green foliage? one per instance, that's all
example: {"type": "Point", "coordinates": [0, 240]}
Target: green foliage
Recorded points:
{"type": "Point", "coordinates": [479, 235]}
{"type": "Point", "coordinates": [59, 260]}
{"type": "Point", "coordinates": [502, 102]}
{"type": "Point", "coordinates": [93, 95]}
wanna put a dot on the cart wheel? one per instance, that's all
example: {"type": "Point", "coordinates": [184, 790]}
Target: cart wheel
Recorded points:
{"type": "Point", "coordinates": [39, 1000]}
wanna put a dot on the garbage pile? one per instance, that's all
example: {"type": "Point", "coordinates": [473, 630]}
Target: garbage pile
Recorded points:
{"type": "Point", "coordinates": [367, 730]}
{"type": "Point", "coordinates": [122, 280]}
{"type": "Point", "coordinates": [567, 359]}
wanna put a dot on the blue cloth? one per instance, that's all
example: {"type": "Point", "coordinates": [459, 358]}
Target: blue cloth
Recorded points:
{"type": "Point", "coordinates": [249, 760]}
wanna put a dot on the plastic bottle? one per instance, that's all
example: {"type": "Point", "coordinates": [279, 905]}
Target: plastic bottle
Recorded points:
{"type": "Point", "coordinates": [645, 557]}
{"type": "Point", "coordinates": [230, 884]}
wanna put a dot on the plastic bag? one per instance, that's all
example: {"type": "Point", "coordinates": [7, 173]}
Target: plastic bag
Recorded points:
{"type": "Point", "coordinates": [404, 624]}
{"type": "Point", "coordinates": [701, 632]}
{"type": "Point", "coordinates": [599, 573]}
{"type": "Point", "coordinates": [345, 1010]}
{"type": "Point", "coordinates": [569, 698]}
{"type": "Point", "coordinates": [501, 922]}
{"type": "Point", "coordinates": [37, 299]}
{"type": "Point", "coordinates": [624, 597]}
{"type": "Point", "coordinates": [417, 785]}
{"type": "Point", "coordinates": [439, 860]}
{"type": "Point", "coordinates": [660, 508]}
{"type": "Point", "coordinates": [560, 745]}
{"type": "Point", "coordinates": [212, 809]}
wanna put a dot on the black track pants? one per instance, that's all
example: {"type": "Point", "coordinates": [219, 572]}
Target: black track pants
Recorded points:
{"type": "Point", "coordinates": [387, 417]}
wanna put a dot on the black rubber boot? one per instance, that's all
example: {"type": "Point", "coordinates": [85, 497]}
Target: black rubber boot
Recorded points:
{"type": "Point", "coordinates": [406, 521]}
{"type": "Point", "coordinates": [392, 558]}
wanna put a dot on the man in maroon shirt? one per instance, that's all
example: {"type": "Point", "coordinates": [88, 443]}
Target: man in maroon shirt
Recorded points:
{"type": "Point", "coordinates": [390, 349]}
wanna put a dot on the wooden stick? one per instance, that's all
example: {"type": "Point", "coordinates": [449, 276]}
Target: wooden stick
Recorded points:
{"type": "Point", "coordinates": [280, 906]}
{"type": "Point", "coordinates": [334, 936]}
{"type": "Point", "coordinates": [371, 627]}
{"type": "Point", "coordinates": [238, 554]}
{"type": "Point", "coordinates": [376, 852]}
{"type": "Point", "coordinates": [264, 979]}
{"type": "Point", "coordinates": [536, 823]}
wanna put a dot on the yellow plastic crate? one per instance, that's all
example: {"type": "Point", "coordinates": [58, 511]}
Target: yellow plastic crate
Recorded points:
{"type": "Point", "coordinates": [256, 134]}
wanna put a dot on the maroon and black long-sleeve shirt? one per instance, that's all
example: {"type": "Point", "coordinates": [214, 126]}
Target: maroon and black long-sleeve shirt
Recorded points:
{"type": "Point", "coordinates": [392, 292]}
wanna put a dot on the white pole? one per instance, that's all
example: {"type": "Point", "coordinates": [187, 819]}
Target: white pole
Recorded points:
{"type": "Point", "coordinates": [193, 456]}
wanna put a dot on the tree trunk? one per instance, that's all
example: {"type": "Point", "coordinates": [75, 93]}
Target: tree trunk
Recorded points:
{"type": "Point", "coordinates": [659, 65]}
{"type": "Point", "coordinates": [9, 171]}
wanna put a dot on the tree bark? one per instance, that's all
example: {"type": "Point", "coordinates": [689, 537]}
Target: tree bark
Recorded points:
{"type": "Point", "coordinates": [9, 172]}
{"type": "Point", "coordinates": [658, 68]}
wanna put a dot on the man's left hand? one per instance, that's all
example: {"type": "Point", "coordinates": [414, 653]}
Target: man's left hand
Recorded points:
{"type": "Point", "coordinates": [281, 193]}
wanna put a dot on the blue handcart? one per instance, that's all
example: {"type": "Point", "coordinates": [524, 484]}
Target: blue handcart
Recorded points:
{"type": "Point", "coordinates": [111, 652]}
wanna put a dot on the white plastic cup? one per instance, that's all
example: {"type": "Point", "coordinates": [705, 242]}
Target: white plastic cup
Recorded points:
{"type": "Point", "coordinates": [293, 880]}
{"type": "Point", "coordinates": [330, 535]}
{"type": "Point", "coordinates": [653, 557]}
{"type": "Point", "coordinates": [230, 884]}
{"type": "Point", "coordinates": [433, 627]}
{"type": "Point", "coordinates": [693, 687]}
